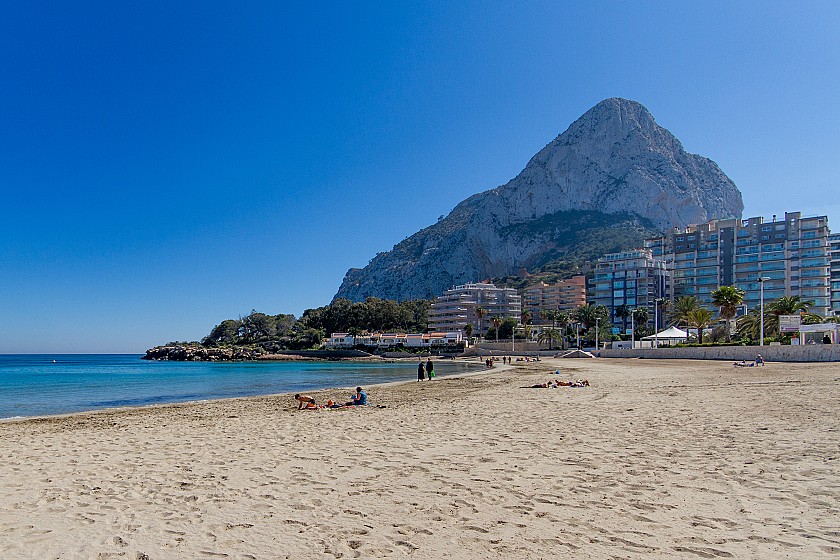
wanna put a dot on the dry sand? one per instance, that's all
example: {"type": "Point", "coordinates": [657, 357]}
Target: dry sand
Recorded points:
{"type": "Point", "coordinates": [658, 459]}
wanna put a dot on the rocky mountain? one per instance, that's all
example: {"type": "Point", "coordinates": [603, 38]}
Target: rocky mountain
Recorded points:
{"type": "Point", "coordinates": [613, 176]}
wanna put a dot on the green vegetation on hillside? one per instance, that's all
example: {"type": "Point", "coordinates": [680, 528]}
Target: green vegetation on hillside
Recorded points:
{"type": "Point", "coordinates": [572, 242]}
{"type": "Point", "coordinates": [283, 332]}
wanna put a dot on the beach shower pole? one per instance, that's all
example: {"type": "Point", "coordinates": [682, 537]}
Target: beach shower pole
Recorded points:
{"type": "Point", "coordinates": [632, 329]}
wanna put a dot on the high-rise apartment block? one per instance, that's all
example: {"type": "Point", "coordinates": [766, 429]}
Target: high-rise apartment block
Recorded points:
{"type": "Point", "coordinates": [631, 278]}
{"type": "Point", "coordinates": [564, 295]}
{"type": "Point", "coordinates": [834, 247]}
{"type": "Point", "coordinates": [459, 306]}
{"type": "Point", "coordinates": [791, 254]}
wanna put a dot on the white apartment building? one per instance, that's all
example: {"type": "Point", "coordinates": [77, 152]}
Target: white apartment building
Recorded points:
{"type": "Point", "coordinates": [460, 306]}
{"type": "Point", "coordinates": [391, 340]}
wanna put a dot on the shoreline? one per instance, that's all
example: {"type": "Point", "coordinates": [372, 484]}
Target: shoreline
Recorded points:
{"type": "Point", "coordinates": [656, 459]}
{"type": "Point", "coordinates": [116, 410]}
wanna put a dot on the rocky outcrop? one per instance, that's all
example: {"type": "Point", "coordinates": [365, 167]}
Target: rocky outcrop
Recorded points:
{"type": "Point", "coordinates": [614, 163]}
{"type": "Point", "coordinates": [198, 353]}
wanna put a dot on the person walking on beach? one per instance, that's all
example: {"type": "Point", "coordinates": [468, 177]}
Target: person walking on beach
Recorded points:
{"type": "Point", "coordinates": [421, 371]}
{"type": "Point", "coordinates": [430, 369]}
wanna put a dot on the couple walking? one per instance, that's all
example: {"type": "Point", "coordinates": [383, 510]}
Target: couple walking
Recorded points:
{"type": "Point", "coordinates": [424, 370]}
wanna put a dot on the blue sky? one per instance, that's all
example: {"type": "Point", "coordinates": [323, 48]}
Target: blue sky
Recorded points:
{"type": "Point", "coordinates": [167, 165]}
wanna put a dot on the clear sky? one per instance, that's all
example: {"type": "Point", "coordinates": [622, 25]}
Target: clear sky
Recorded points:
{"type": "Point", "coordinates": [168, 165]}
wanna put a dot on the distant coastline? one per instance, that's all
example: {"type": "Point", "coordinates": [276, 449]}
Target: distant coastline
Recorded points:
{"type": "Point", "coordinates": [197, 353]}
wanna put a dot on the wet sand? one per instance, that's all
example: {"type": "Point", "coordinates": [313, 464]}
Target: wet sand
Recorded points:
{"type": "Point", "coordinates": [657, 459]}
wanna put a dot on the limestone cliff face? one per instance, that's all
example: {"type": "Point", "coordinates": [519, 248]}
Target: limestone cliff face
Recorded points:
{"type": "Point", "coordinates": [614, 161]}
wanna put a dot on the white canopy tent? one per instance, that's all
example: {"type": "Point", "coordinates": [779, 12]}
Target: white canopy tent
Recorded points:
{"type": "Point", "coordinates": [670, 335]}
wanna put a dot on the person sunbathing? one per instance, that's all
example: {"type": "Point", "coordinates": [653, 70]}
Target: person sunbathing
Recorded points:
{"type": "Point", "coordinates": [545, 385]}
{"type": "Point", "coordinates": [359, 399]}
{"type": "Point", "coordinates": [559, 383]}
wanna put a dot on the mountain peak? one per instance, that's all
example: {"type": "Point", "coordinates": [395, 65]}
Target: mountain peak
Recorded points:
{"type": "Point", "coordinates": [614, 165]}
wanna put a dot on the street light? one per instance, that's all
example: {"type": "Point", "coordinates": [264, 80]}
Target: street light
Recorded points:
{"type": "Point", "coordinates": [656, 322]}
{"type": "Point", "coordinates": [632, 329]}
{"type": "Point", "coordinates": [596, 332]}
{"type": "Point", "coordinates": [761, 282]}
{"type": "Point", "coordinates": [513, 341]}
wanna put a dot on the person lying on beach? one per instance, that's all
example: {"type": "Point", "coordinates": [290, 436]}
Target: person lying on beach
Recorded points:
{"type": "Point", "coordinates": [545, 385]}
{"type": "Point", "coordinates": [744, 363]}
{"type": "Point", "coordinates": [359, 399]}
{"type": "Point", "coordinates": [558, 383]}
{"type": "Point", "coordinates": [305, 401]}
{"type": "Point", "coordinates": [575, 383]}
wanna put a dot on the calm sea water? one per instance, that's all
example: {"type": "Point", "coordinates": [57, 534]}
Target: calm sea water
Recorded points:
{"type": "Point", "coordinates": [37, 385]}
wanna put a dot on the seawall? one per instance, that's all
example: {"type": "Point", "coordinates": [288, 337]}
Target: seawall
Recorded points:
{"type": "Point", "coordinates": [807, 353]}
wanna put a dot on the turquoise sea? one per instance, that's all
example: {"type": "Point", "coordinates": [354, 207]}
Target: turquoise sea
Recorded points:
{"type": "Point", "coordinates": [42, 384]}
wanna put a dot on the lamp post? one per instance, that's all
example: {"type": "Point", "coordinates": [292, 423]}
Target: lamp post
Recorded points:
{"type": "Point", "coordinates": [596, 332]}
{"type": "Point", "coordinates": [577, 335]}
{"type": "Point", "coordinates": [513, 341]}
{"type": "Point", "coordinates": [632, 329]}
{"type": "Point", "coordinates": [656, 323]}
{"type": "Point", "coordinates": [761, 282]}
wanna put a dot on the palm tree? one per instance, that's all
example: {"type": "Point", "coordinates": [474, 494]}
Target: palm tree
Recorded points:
{"type": "Point", "coordinates": [550, 335]}
{"type": "Point", "coordinates": [354, 332]}
{"type": "Point", "coordinates": [785, 305]}
{"type": "Point", "coordinates": [641, 315]}
{"type": "Point", "coordinates": [728, 299]}
{"type": "Point", "coordinates": [623, 312]}
{"type": "Point", "coordinates": [683, 305]}
{"type": "Point", "coordinates": [563, 318]}
{"type": "Point", "coordinates": [468, 330]}
{"type": "Point", "coordinates": [550, 315]}
{"type": "Point", "coordinates": [749, 325]}
{"type": "Point", "coordinates": [480, 312]}
{"type": "Point", "coordinates": [587, 313]}
{"type": "Point", "coordinates": [526, 320]}
{"type": "Point", "coordinates": [497, 322]}
{"type": "Point", "coordinates": [700, 318]}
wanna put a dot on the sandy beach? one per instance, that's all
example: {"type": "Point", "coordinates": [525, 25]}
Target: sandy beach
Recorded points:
{"type": "Point", "coordinates": [657, 459]}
